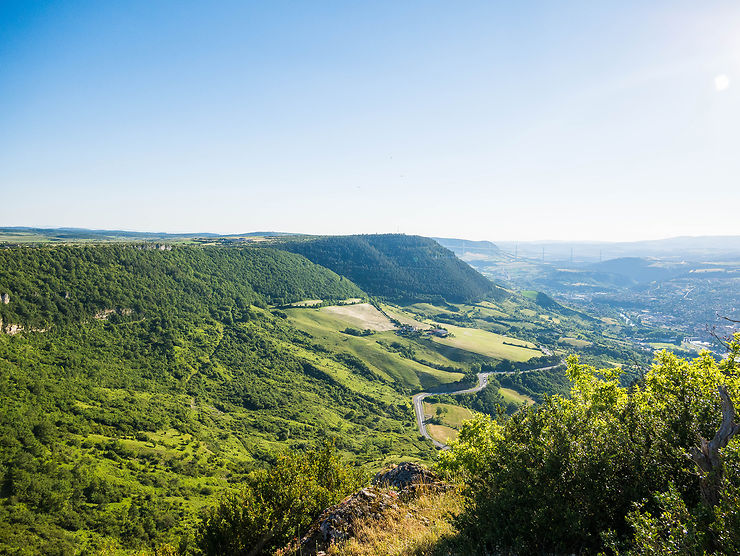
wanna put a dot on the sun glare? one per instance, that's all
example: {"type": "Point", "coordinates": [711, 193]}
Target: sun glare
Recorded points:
{"type": "Point", "coordinates": [721, 82]}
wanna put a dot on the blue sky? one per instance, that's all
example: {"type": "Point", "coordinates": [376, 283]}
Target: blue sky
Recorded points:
{"type": "Point", "coordinates": [482, 120]}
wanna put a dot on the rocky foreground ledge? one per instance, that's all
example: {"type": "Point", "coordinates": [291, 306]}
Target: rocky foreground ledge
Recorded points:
{"type": "Point", "coordinates": [390, 489]}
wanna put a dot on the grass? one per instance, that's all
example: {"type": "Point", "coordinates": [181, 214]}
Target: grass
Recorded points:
{"type": "Point", "coordinates": [442, 433]}
{"type": "Point", "coordinates": [488, 309]}
{"type": "Point", "coordinates": [575, 342]}
{"type": "Point", "coordinates": [450, 418]}
{"type": "Point", "coordinates": [404, 318]}
{"type": "Point", "coordinates": [306, 303]}
{"type": "Point", "coordinates": [662, 345]}
{"type": "Point", "coordinates": [427, 309]}
{"type": "Point", "coordinates": [422, 527]}
{"type": "Point", "coordinates": [452, 415]}
{"type": "Point", "coordinates": [489, 344]}
{"type": "Point", "coordinates": [362, 315]}
{"type": "Point", "coordinates": [325, 327]}
{"type": "Point", "coordinates": [510, 395]}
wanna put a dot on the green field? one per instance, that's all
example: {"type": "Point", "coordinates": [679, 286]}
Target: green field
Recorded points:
{"type": "Point", "coordinates": [510, 395]}
{"type": "Point", "coordinates": [448, 419]}
{"type": "Point", "coordinates": [442, 433]}
{"type": "Point", "coordinates": [362, 315]}
{"type": "Point", "coordinates": [575, 342]}
{"type": "Point", "coordinates": [452, 415]}
{"type": "Point", "coordinates": [326, 329]}
{"type": "Point", "coordinates": [489, 344]}
{"type": "Point", "coordinates": [404, 318]}
{"type": "Point", "coordinates": [306, 303]}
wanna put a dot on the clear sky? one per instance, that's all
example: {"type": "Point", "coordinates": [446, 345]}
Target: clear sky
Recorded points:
{"type": "Point", "coordinates": [484, 120]}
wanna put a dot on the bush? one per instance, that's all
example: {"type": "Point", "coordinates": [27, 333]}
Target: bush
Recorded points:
{"type": "Point", "coordinates": [278, 504]}
{"type": "Point", "coordinates": [568, 476]}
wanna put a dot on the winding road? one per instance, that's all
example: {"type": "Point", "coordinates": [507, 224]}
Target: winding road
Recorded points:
{"type": "Point", "coordinates": [418, 399]}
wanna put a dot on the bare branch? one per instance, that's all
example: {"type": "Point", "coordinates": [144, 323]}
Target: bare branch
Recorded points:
{"type": "Point", "coordinates": [707, 457]}
{"type": "Point", "coordinates": [728, 319]}
{"type": "Point", "coordinates": [713, 332]}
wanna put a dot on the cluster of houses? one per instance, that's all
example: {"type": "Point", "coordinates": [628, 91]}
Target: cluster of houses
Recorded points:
{"type": "Point", "coordinates": [409, 330]}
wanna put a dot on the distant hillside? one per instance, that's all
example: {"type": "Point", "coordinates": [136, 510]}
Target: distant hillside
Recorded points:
{"type": "Point", "coordinates": [52, 285]}
{"type": "Point", "coordinates": [24, 234]}
{"type": "Point", "coordinates": [640, 270]}
{"type": "Point", "coordinates": [699, 248]}
{"type": "Point", "coordinates": [463, 247]}
{"type": "Point", "coordinates": [396, 266]}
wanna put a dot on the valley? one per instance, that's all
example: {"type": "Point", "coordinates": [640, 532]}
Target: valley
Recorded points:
{"type": "Point", "coordinates": [143, 382]}
{"type": "Point", "coordinates": [207, 363]}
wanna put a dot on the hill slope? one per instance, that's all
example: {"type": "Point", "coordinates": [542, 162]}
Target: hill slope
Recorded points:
{"type": "Point", "coordinates": [395, 266]}
{"type": "Point", "coordinates": [144, 382]}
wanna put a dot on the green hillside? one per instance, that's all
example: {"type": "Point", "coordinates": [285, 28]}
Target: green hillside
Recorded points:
{"type": "Point", "coordinates": [56, 285]}
{"type": "Point", "coordinates": [396, 266]}
{"type": "Point", "coordinates": [142, 383]}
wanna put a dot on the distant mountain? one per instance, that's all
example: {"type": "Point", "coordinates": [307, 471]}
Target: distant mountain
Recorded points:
{"type": "Point", "coordinates": [395, 266]}
{"type": "Point", "coordinates": [468, 246]}
{"type": "Point", "coordinates": [677, 248]}
{"type": "Point", "coordinates": [639, 270]}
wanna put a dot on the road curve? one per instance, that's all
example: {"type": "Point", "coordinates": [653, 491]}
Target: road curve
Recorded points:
{"type": "Point", "coordinates": [418, 399]}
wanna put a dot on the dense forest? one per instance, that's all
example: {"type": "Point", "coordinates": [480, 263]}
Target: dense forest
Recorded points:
{"type": "Point", "coordinates": [64, 284]}
{"type": "Point", "coordinates": [396, 266]}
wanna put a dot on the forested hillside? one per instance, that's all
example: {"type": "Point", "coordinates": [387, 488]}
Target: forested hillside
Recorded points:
{"type": "Point", "coordinates": [137, 384]}
{"type": "Point", "coordinates": [396, 266]}
{"type": "Point", "coordinates": [55, 285]}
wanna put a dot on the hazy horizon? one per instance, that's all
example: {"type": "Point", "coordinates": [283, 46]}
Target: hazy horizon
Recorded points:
{"type": "Point", "coordinates": [543, 241]}
{"type": "Point", "coordinates": [607, 122]}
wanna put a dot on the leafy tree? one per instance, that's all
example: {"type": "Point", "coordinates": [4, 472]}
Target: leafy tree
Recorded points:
{"type": "Point", "coordinates": [565, 476]}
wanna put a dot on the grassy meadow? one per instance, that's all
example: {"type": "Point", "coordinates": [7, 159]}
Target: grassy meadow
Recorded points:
{"type": "Point", "coordinates": [326, 324]}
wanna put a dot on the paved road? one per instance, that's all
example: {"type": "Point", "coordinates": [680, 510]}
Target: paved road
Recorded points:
{"type": "Point", "coordinates": [418, 399]}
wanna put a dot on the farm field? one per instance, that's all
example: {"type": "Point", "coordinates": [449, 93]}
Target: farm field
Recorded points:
{"type": "Point", "coordinates": [382, 359]}
{"type": "Point", "coordinates": [442, 433]}
{"type": "Point", "coordinates": [452, 415]}
{"type": "Point", "coordinates": [575, 342]}
{"type": "Point", "coordinates": [362, 315]}
{"type": "Point", "coordinates": [404, 318]}
{"type": "Point", "coordinates": [450, 418]}
{"type": "Point", "coordinates": [306, 303]}
{"type": "Point", "coordinates": [488, 343]}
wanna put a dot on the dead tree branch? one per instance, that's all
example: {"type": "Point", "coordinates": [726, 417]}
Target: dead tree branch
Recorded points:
{"type": "Point", "coordinates": [707, 457]}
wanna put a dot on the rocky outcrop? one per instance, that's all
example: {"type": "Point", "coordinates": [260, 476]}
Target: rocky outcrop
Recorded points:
{"type": "Point", "coordinates": [338, 523]}
{"type": "Point", "coordinates": [404, 475]}
{"type": "Point", "coordinates": [104, 314]}
{"type": "Point", "coordinates": [391, 487]}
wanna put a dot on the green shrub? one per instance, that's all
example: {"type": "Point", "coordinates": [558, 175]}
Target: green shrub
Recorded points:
{"type": "Point", "coordinates": [575, 472]}
{"type": "Point", "coordinates": [277, 504]}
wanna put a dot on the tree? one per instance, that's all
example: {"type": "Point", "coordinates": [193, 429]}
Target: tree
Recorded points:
{"type": "Point", "coordinates": [565, 476]}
